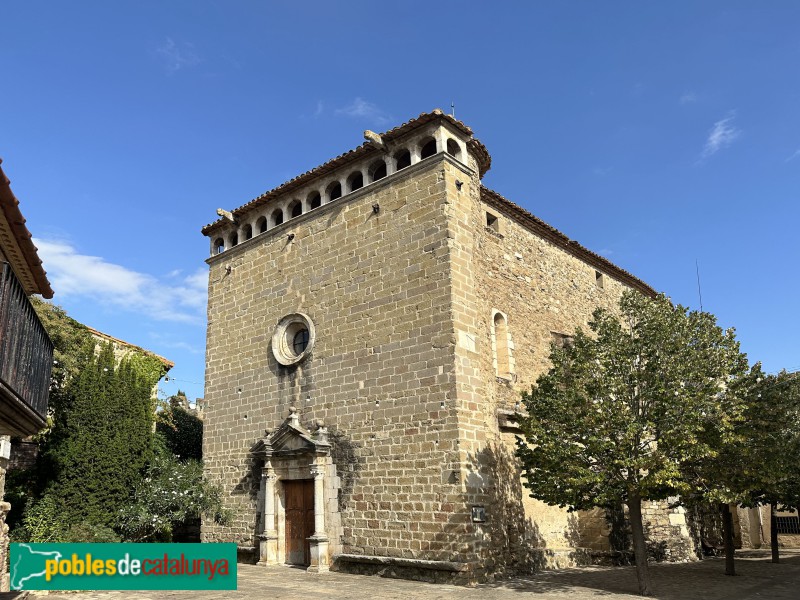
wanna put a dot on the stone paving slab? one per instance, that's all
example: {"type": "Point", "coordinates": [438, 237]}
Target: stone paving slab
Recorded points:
{"type": "Point", "coordinates": [757, 578]}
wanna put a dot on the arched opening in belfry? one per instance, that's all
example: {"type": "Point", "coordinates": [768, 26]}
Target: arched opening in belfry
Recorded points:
{"type": "Point", "coordinates": [296, 208]}
{"type": "Point", "coordinates": [261, 224]}
{"type": "Point", "coordinates": [277, 217]}
{"type": "Point", "coordinates": [402, 159]}
{"type": "Point", "coordinates": [219, 246]}
{"type": "Point", "coordinates": [334, 191]}
{"type": "Point", "coordinates": [427, 147]}
{"type": "Point", "coordinates": [248, 231]}
{"type": "Point", "coordinates": [377, 170]}
{"type": "Point", "coordinates": [355, 181]}
{"type": "Point", "coordinates": [314, 200]}
{"type": "Point", "coordinates": [233, 239]}
{"type": "Point", "coordinates": [453, 148]}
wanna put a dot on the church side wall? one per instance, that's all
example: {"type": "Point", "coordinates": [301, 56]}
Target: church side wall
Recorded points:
{"type": "Point", "coordinates": [540, 292]}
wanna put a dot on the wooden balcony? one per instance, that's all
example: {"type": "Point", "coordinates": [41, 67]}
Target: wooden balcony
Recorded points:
{"type": "Point", "coordinates": [26, 358]}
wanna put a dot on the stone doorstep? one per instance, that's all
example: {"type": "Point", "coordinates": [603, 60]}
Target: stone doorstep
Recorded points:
{"type": "Point", "coordinates": [433, 565]}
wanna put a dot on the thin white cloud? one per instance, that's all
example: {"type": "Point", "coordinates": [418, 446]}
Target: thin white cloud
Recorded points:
{"type": "Point", "coordinates": [167, 342]}
{"type": "Point", "coordinates": [176, 56]}
{"type": "Point", "coordinates": [601, 171]}
{"type": "Point", "coordinates": [181, 299]}
{"type": "Point", "coordinates": [793, 156]}
{"type": "Point", "coordinates": [362, 109]}
{"type": "Point", "coordinates": [688, 98]}
{"type": "Point", "coordinates": [320, 108]}
{"type": "Point", "coordinates": [722, 135]}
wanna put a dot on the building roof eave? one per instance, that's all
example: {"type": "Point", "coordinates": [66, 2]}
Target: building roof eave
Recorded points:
{"type": "Point", "coordinates": [9, 209]}
{"type": "Point", "coordinates": [168, 364]}
{"type": "Point", "coordinates": [557, 238]}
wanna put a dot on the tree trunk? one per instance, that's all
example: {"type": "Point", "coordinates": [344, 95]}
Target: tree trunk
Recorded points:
{"type": "Point", "coordinates": [773, 533]}
{"type": "Point", "coordinates": [639, 545]}
{"type": "Point", "coordinates": [727, 532]}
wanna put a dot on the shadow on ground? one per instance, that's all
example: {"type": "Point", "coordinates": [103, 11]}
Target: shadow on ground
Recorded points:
{"type": "Point", "coordinates": [757, 577]}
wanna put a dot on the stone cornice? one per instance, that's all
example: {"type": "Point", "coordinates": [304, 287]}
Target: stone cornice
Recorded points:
{"type": "Point", "coordinates": [359, 153]}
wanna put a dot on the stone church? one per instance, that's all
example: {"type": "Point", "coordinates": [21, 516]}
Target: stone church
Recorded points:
{"type": "Point", "coordinates": [371, 324]}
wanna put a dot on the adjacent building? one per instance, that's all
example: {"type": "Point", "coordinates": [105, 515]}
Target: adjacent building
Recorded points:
{"type": "Point", "coordinates": [26, 352]}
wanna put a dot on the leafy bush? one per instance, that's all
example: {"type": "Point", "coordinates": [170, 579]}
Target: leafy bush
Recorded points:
{"type": "Point", "coordinates": [43, 522]}
{"type": "Point", "coordinates": [171, 492]}
{"type": "Point", "coordinates": [89, 532]}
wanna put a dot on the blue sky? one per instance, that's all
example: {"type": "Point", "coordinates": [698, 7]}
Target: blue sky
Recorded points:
{"type": "Point", "coordinates": [657, 134]}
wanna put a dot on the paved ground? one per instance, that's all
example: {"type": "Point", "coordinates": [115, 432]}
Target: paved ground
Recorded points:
{"type": "Point", "coordinates": [757, 578]}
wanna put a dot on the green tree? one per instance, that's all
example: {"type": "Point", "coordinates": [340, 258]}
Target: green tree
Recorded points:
{"type": "Point", "coordinates": [102, 437]}
{"type": "Point", "coordinates": [621, 410]}
{"type": "Point", "coordinates": [181, 430]}
{"type": "Point", "coordinates": [72, 350]}
{"type": "Point", "coordinates": [781, 448]}
{"type": "Point", "coordinates": [757, 464]}
{"type": "Point", "coordinates": [73, 346]}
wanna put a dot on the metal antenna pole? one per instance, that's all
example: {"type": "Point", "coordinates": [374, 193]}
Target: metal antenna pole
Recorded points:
{"type": "Point", "coordinates": [699, 293]}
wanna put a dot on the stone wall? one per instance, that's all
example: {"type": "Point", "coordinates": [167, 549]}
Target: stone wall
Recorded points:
{"type": "Point", "coordinates": [539, 289]}
{"type": "Point", "coordinates": [667, 532]}
{"type": "Point", "coordinates": [376, 286]}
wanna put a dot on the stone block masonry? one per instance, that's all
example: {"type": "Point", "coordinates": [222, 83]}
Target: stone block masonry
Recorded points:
{"type": "Point", "coordinates": [419, 305]}
{"type": "Point", "coordinates": [376, 288]}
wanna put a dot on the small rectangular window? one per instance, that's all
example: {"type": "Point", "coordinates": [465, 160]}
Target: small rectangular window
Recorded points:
{"type": "Point", "coordinates": [492, 222]}
{"type": "Point", "coordinates": [598, 280]}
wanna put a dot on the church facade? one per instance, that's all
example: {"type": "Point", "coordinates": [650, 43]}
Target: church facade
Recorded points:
{"type": "Point", "coordinates": [371, 324]}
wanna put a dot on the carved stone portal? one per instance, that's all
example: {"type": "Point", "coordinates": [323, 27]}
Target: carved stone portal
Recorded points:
{"type": "Point", "coordinates": [291, 453]}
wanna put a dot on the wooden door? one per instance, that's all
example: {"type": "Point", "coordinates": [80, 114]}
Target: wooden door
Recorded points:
{"type": "Point", "coordinates": [299, 520]}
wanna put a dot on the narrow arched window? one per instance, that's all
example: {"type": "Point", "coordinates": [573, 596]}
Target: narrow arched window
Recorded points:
{"type": "Point", "coordinates": [403, 159]}
{"type": "Point", "coordinates": [277, 217]}
{"type": "Point", "coordinates": [233, 239]}
{"type": "Point", "coordinates": [314, 200]}
{"type": "Point", "coordinates": [453, 148]}
{"type": "Point", "coordinates": [355, 181]}
{"type": "Point", "coordinates": [427, 148]}
{"type": "Point", "coordinates": [501, 342]}
{"type": "Point", "coordinates": [248, 232]}
{"type": "Point", "coordinates": [219, 246]}
{"type": "Point", "coordinates": [296, 208]}
{"type": "Point", "coordinates": [261, 224]}
{"type": "Point", "coordinates": [334, 191]}
{"type": "Point", "coordinates": [377, 170]}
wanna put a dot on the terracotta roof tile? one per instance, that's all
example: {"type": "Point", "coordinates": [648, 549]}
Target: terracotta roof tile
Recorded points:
{"type": "Point", "coordinates": [10, 207]}
{"type": "Point", "coordinates": [168, 364]}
